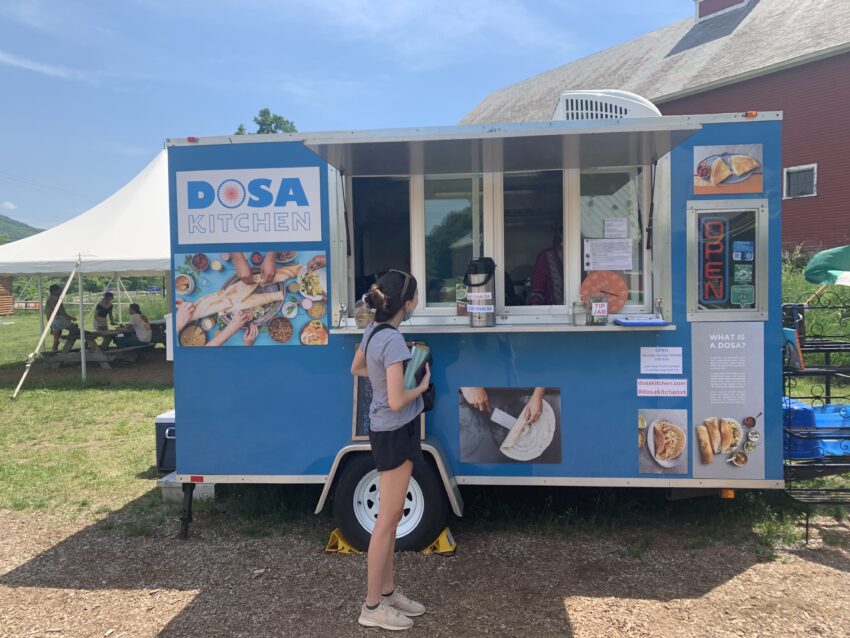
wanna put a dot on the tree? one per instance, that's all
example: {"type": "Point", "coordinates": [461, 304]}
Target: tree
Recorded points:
{"type": "Point", "coordinates": [4, 238]}
{"type": "Point", "coordinates": [268, 122]}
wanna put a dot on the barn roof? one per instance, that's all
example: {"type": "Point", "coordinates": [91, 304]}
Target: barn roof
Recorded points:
{"type": "Point", "coordinates": [686, 58]}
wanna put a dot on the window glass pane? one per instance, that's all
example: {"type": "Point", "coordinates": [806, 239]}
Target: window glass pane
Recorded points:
{"type": "Point", "coordinates": [534, 214]}
{"type": "Point", "coordinates": [611, 231]}
{"type": "Point", "coordinates": [381, 213]}
{"type": "Point", "coordinates": [454, 234]}
{"type": "Point", "coordinates": [800, 183]}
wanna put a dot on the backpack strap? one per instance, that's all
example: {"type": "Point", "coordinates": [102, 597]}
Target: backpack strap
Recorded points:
{"type": "Point", "coordinates": [375, 330]}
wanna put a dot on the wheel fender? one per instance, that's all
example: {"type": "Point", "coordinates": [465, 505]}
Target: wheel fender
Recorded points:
{"type": "Point", "coordinates": [430, 446]}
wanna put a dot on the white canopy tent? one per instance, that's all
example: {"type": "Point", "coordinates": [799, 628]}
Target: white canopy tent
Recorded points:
{"type": "Point", "coordinates": [125, 234]}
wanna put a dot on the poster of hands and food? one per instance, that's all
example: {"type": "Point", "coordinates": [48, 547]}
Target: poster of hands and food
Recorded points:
{"type": "Point", "coordinates": [728, 396]}
{"type": "Point", "coordinates": [508, 425]}
{"type": "Point", "coordinates": [251, 298]}
{"type": "Point", "coordinates": [728, 170]}
{"type": "Point", "coordinates": [663, 441]}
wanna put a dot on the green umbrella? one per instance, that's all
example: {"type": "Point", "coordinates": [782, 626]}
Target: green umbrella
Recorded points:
{"type": "Point", "coordinates": [830, 266]}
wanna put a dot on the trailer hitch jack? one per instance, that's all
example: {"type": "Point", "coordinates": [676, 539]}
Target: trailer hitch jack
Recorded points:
{"type": "Point", "coordinates": [186, 515]}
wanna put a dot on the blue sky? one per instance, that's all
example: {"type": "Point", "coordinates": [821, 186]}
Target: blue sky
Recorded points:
{"type": "Point", "coordinates": [91, 89]}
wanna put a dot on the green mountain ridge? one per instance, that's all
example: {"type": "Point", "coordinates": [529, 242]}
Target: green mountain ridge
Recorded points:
{"type": "Point", "coordinates": [14, 230]}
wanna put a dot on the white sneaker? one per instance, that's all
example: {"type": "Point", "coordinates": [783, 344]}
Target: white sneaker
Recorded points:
{"type": "Point", "coordinates": [385, 617]}
{"type": "Point", "coordinates": [406, 606]}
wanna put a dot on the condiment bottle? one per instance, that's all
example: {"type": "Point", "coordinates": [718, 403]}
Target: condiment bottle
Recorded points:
{"type": "Point", "coordinates": [579, 313]}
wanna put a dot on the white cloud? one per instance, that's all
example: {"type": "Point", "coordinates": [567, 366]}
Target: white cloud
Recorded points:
{"type": "Point", "coordinates": [427, 34]}
{"type": "Point", "coordinates": [51, 70]}
{"type": "Point", "coordinates": [7, 205]}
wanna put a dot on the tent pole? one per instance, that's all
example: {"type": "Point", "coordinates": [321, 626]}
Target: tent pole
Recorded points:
{"type": "Point", "coordinates": [82, 329]}
{"type": "Point", "coordinates": [32, 355]}
{"type": "Point", "coordinates": [40, 308]}
{"type": "Point", "coordinates": [118, 286]}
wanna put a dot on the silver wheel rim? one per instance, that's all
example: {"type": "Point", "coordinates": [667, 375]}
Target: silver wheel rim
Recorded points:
{"type": "Point", "coordinates": [367, 502]}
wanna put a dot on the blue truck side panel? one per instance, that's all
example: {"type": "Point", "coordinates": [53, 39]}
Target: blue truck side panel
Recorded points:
{"type": "Point", "coordinates": [288, 410]}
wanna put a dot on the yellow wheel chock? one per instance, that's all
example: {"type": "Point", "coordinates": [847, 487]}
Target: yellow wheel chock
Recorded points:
{"type": "Point", "coordinates": [338, 544]}
{"type": "Point", "coordinates": [444, 544]}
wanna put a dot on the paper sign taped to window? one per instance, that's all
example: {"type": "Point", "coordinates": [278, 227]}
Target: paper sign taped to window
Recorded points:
{"type": "Point", "coordinates": [607, 254]}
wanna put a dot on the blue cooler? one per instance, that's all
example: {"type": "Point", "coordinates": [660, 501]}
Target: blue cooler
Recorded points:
{"type": "Point", "coordinates": [166, 443]}
{"type": "Point", "coordinates": [804, 416]}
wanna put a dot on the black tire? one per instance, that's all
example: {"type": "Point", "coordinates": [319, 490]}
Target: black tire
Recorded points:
{"type": "Point", "coordinates": [434, 499]}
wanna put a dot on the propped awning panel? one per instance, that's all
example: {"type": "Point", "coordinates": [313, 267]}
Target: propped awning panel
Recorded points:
{"type": "Point", "coordinates": [528, 146]}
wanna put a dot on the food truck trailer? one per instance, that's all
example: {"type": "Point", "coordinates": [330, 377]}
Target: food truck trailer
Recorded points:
{"type": "Point", "coordinates": [636, 329]}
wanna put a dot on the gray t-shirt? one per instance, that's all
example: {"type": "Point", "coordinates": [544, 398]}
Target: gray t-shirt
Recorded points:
{"type": "Point", "coordinates": [388, 347]}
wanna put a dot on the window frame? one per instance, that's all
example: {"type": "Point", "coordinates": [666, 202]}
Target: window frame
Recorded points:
{"type": "Point", "coordinates": [492, 182]}
{"type": "Point", "coordinates": [799, 169]}
{"type": "Point", "coordinates": [642, 200]}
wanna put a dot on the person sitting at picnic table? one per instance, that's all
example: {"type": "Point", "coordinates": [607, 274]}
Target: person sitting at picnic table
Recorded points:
{"type": "Point", "coordinates": [62, 320]}
{"type": "Point", "coordinates": [103, 310]}
{"type": "Point", "coordinates": [141, 335]}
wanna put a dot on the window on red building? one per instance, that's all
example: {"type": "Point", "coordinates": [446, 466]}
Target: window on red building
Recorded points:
{"type": "Point", "coordinates": [800, 181]}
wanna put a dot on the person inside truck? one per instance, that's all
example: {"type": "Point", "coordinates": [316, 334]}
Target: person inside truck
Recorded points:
{"type": "Point", "coordinates": [547, 280]}
{"type": "Point", "coordinates": [62, 320]}
{"type": "Point", "coordinates": [394, 437]}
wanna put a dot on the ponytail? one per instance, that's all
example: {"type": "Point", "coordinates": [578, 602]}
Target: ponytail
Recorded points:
{"type": "Point", "coordinates": [389, 294]}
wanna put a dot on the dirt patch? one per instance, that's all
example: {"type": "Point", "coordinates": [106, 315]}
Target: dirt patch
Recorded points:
{"type": "Point", "coordinates": [66, 580]}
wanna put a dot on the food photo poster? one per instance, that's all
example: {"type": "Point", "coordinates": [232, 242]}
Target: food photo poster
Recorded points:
{"type": "Point", "coordinates": [663, 441]}
{"type": "Point", "coordinates": [728, 170]}
{"type": "Point", "coordinates": [510, 425]}
{"type": "Point", "coordinates": [251, 298]}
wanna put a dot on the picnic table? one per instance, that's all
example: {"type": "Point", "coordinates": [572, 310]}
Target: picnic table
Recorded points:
{"type": "Point", "coordinates": [101, 353]}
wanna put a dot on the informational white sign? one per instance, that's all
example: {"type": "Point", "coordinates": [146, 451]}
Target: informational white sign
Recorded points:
{"type": "Point", "coordinates": [728, 374]}
{"type": "Point", "coordinates": [662, 387]}
{"type": "Point", "coordinates": [249, 206]}
{"type": "Point", "coordinates": [607, 254]}
{"type": "Point", "coordinates": [616, 227]}
{"type": "Point", "coordinates": [599, 309]}
{"type": "Point", "coordinates": [661, 361]}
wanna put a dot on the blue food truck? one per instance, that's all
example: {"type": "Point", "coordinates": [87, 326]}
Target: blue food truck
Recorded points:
{"type": "Point", "coordinates": [635, 305]}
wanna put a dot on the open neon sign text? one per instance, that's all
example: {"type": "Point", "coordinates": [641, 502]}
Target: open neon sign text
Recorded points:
{"type": "Point", "coordinates": [713, 260]}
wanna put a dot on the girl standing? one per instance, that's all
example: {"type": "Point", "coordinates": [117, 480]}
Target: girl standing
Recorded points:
{"type": "Point", "coordinates": [394, 437]}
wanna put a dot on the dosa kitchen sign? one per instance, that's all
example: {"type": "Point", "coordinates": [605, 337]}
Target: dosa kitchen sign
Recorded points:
{"type": "Point", "coordinates": [255, 205]}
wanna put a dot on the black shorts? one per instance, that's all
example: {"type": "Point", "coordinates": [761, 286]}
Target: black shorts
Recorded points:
{"type": "Point", "coordinates": [393, 447]}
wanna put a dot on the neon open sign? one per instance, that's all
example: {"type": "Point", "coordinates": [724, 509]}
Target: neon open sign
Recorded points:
{"type": "Point", "coordinates": [713, 260]}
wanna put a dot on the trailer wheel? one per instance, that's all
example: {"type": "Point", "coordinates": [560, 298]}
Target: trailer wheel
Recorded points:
{"type": "Point", "coordinates": [356, 505]}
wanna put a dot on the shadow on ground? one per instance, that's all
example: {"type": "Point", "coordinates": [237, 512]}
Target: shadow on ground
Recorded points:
{"type": "Point", "coordinates": [507, 578]}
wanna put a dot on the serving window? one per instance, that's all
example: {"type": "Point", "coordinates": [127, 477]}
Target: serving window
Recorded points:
{"type": "Point", "coordinates": [381, 224]}
{"type": "Point", "coordinates": [545, 229]}
{"type": "Point", "coordinates": [454, 234]}
{"type": "Point", "coordinates": [612, 230]}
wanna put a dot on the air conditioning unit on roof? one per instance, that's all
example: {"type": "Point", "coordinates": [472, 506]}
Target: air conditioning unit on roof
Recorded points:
{"type": "Point", "coordinates": [602, 105]}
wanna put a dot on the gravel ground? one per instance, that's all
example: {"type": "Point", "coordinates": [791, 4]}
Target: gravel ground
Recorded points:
{"type": "Point", "coordinates": [60, 580]}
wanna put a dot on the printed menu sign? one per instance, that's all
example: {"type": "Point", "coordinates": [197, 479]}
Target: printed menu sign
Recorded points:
{"type": "Point", "coordinates": [728, 400]}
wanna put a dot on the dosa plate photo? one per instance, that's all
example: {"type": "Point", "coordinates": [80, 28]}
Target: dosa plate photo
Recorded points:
{"type": "Point", "coordinates": [510, 425]}
{"type": "Point", "coordinates": [728, 169]}
{"type": "Point", "coordinates": [251, 298]}
{"type": "Point", "coordinates": [662, 441]}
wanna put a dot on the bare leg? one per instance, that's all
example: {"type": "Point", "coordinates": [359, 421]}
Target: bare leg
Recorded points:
{"type": "Point", "coordinates": [393, 491]}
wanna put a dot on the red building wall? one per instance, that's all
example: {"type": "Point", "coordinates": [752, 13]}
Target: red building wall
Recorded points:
{"type": "Point", "coordinates": [815, 98]}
